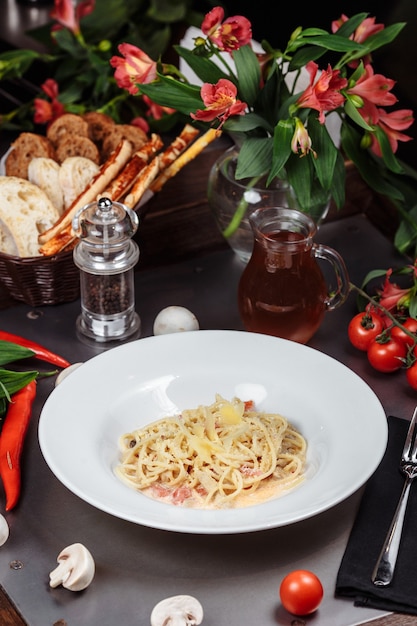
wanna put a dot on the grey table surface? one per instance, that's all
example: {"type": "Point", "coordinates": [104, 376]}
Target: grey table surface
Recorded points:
{"type": "Point", "coordinates": [235, 577]}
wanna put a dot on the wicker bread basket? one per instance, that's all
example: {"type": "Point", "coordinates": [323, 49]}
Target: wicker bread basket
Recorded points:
{"type": "Point", "coordinates": [40, 280]}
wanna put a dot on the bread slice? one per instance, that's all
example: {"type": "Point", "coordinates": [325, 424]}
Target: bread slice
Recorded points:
{"type": "Point", "coordinates": [66, 124]}
{"type": "Point", "coordinates": [75, 173]}
{"type": "Point", "coordinates": [113, 135]}
{"type": "Point", "coordinates": [25, 148]}
{"type": "Point", "coordinates": [98, 125]}
{"type": "Point", "coordinates": [77, 145]}
{"type": "Point", "coordinates": [44, 172]}
{"type": "Point", "coordinates": [25, 211]}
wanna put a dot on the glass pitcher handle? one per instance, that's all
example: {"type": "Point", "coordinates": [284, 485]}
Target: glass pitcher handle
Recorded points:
{"type": "Point", "coordinates": [339, 296]}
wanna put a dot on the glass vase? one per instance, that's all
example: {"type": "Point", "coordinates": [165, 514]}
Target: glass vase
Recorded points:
{"type": "Point", "coordinates": [231, 201]}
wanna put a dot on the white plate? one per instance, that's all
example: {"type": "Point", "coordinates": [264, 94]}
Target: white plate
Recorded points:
{"type": "Point", "coordinates": [131, 385]}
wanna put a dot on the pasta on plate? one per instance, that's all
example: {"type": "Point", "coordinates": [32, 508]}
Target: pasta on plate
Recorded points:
{"type": "Point", "coordinates": [226, 454]}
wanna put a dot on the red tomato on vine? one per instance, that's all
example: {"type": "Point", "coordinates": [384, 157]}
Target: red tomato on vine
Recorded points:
{"type": "Point", "coordinates": [388, 355]}
{"type": "Point", "coordinates": [363, 328]}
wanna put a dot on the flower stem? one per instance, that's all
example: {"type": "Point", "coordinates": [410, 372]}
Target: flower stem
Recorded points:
{"type": "Point", "coordinates": [240, 211]}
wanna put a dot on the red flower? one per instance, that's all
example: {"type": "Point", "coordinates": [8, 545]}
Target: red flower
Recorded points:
{"type": "Point", "coordinates": [392, 296]}
{"type": "Point", "coordinates": [156, 110]}
{"type": "Point", "coordinates": [229, 35]}
{"type": "Point", "coordinates": [392, 123]}
{"type": "Point", "coordinates": [68, 14]}
{"type": "Point", "coordinates": [136, 67]}
{"type": "Point", "coordinates": [220, 101]}
{"type": "Point", "coordinates": [140, 122]}
{"type": "Point", "coordinates": [324, 95]}
{"type": "Point", "coordinates": [45, 111]}
{"type": "Point", "coordinates": [374, 87]}
{"type": "Point", "coordinates": [363, 31]}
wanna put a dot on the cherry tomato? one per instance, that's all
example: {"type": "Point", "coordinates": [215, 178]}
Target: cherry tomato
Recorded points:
{"type": "Point", "coordinates": [387, 356]}
{"type": "Point", "coordinates": [411, 375]}
{"type": "Point", "coordinates": [410, 324]}
{"type": "Point", "coordinates": [363, 328]}
{"type": "Point", "coordinates": [301, 592]}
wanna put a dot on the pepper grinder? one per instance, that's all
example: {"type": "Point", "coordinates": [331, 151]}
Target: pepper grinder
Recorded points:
{"type": "Point", "coordinates": [106, 256]}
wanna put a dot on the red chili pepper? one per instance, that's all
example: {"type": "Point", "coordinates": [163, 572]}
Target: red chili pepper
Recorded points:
{"type": "Point", "coordinates": [12, 439]}
{"type": "Point", "coordinates": [41, 353]}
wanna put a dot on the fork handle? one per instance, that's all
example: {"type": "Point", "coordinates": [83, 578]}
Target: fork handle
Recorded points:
{"type": "Point", "coordinates": [384, 568]}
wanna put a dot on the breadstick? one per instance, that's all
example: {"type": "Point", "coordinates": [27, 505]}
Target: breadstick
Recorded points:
{"type": "Point", "coordinates": [149, 173]}
{"type": "Point", "coordinates": [184, 139]}
{"type": "Point", "coordinates": [58, 242]}
{"type": "Point", "coordinates": [163, 160]}
{"type": "Point", "coordinates": [184, 158]}
{"type": "Point", "coordinates": [106, 173]}
{"type": "Point", "coordinates": [127, 177]}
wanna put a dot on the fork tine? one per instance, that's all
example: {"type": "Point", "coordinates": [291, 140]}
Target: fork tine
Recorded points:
{"type": "Point", "coordinates": [408, 454]}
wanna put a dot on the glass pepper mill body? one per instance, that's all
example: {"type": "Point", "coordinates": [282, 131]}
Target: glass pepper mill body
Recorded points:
{"type": "Point", "coordinates": [106, 256]}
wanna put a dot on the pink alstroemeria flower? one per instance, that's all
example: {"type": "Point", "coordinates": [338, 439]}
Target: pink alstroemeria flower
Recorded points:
{"type": "Point", "coordinates": [68, 14]}
{"type": "Point", "coordinates": [135, 68]}
{"type": "Point", "coordinates": [156, 110]}
{"type": "Point", "coordinates": [45, 111]}
{"type": "Point", "coordinates": [392, 123]}
{"type": "Point", "coordinates": [220, 102]}
{"type": "Point", "coordinates": [361, 34]}
{"type": "Point", "coordinates": [391, 296]}
{"type": "Point", "coordinates": [374, 87]}
{"type": "Point", "coordinates": [228, 35]}
{"type": "Point", "coordinates": [141, 123]}
{"type": "Point", "coordinates": [301, 141]}
{"type": "Point", "coordinates": [323, 95]}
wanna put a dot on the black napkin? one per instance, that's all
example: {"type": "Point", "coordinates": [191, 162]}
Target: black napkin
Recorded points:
{"type": "Point", "coordinates": [368, 533]}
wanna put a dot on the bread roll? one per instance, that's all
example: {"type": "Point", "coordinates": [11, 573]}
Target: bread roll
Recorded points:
{"type": "Point", "coordinates": [44, 172]}
{"type": "Point", "coordinates": [25, 210]}
{"type": "Point", "coordinates": [75, 173]}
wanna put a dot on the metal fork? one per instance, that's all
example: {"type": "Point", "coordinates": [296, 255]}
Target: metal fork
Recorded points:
{"type": "Point", "coordinates": [384, 568]}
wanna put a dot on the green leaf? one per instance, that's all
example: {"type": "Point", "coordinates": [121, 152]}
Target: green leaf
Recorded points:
{"type": "Point", "coordinates": [283, 135]}
{"type": "Point", "coordinates": [10, 352]}
{"type": "Point", "coordinates": [16, 63]}
{"type": "Point", "coordinates": [370, 169]}
{"type": "Point", "coordinates": [206, 70]}
{"type": "Point", "coordinates": [246, 123]}
{"type": "Point", "coordinates": [254, 158]}
{"type": "Point", "coordinates": [325, 149]}
{"type": "Point", "coordinates": [10, 381]}
{"type": "Point", "coordinates": [170, 93]}
{"type": "Point", "coordinates": [354, 115]}
{"type": "Point", "coordinates": [249, 74]}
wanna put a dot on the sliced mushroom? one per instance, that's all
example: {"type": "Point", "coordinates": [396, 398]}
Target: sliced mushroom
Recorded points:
{"type": "Point", "coordinates": [4, 530]}
{"type": "Point", "coordinates": [75, 570]}
{"type": "Point", "coordinates": [177, 611]}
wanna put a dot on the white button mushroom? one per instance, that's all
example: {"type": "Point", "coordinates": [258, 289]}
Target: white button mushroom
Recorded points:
{"type": "Point", "coordinates": [4, 530]}
{"type": "Point", "coordinates": [65, 372]}
{"type": "Point", "coordinates": [177, 611]}
{"type": "Point", "coordinates": [174, 319]}
{"type": "Point", "coordinates": [75, 570]}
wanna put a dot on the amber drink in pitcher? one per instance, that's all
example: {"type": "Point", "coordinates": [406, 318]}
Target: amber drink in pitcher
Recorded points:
{"type": "Point", "coordinates": [283, 291]}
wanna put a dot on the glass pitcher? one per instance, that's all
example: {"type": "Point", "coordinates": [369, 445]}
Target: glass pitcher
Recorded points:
{"type": "Point", "coordinates": [282, 290]}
